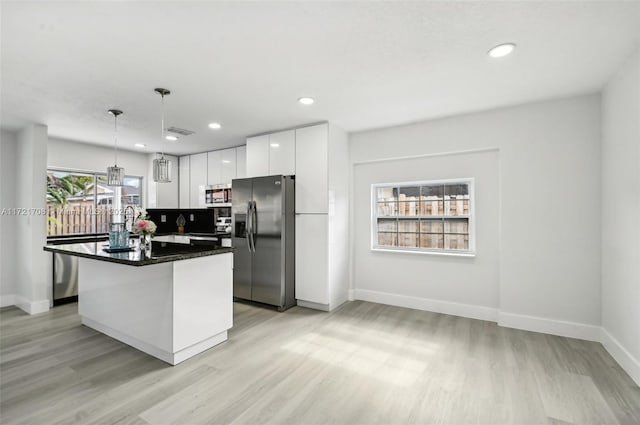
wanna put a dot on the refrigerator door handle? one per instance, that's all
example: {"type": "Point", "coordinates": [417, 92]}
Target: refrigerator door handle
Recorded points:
{"type": "Point", "coordinates": [248, 226]}
{"type": "Point", "coordinates": [254, 225]}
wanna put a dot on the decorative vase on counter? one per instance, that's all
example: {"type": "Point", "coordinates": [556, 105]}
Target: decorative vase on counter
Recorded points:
{"type": "Point", "coordinates": [145, 244]}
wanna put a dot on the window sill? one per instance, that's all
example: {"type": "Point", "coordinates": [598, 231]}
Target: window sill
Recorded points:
{"type": "Point", "coordinates": [468, 254]}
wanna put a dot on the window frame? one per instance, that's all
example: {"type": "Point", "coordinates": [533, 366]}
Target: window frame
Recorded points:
{"type": "Point", "coordinates": [95, 175]}
{"type": "Point", "coordinates": [471, 252]}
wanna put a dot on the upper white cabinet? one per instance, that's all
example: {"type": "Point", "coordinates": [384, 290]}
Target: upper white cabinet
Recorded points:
{"type": "Point", "coordinates": [282, 153]}
{"type": "Point", "coordinates": [222, 166]}
{"type": "Point", "coordinates": [271, 154]}
{"type": "Point", "coordinates": [185, 178]}
{"type": "Point", "coordinates": [312, 169]}
{"type": "Point", "coordinates": [214, 167]}
{"type": "Point", "coordinates": [258, 156]}
{"type": "Point", "coordinates": [241, 165]}
{"type": "Point", "coordinates": [209, 168]}
{"type": "Point", "coordinates": [198, 177]}
{"type": "Point", "coordinates": [228, 165]}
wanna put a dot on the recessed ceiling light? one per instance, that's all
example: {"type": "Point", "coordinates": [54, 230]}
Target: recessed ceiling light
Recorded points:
{"type": "Point", "coordinates": [501, 50]}
{"type": "Point", "coordinates": [226, 161]}
{"type": "Point", "coordinates": [306, 100]}
{"type": "Point", "coordinates": [140, 145]}
{"type": "Point", "coordinates": [215, 126]}
{"type": "Point", "coordinates": [170, 137]}
{"type": "Point", "coordinates": [275, 145]}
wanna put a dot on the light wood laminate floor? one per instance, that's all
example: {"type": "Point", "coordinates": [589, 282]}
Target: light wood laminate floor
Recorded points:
{"type": "Point", "coordinates": [362, 364]}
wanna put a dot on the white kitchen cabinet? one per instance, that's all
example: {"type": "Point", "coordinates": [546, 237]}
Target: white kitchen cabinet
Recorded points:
{"type": "Point", "coordinates": [282, 153]}
{"type": "Point", "coordinates": [241, 165]}
{"type": "Point", "coordinates": [312, 259]}
{"type": "Point", "coordinates": [258, 156]}
{"type": "Point", "coordinates": [185, 179]}
{"type": "Point", "coordinates": [198, 177]}
{"type": "Point", "coordinates": [228, 164]}
{"type": "Point", "coordinates": [214, 167]}
{"type": "Point", "coordinates": [322, 216]}
{"type": "Point", "coordinates": [312, 169]}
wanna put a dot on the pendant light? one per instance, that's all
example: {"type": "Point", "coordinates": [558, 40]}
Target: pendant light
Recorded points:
{"type": "Point", "coordinates": [115, 174]}
{"type": "Point", "coordinates": [162, 166]}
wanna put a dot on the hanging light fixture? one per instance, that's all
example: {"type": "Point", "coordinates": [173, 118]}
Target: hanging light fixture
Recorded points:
{"type": "Point", "coordinates": [115, 174]}
{"type": "Point", "coordinates": [162, 166]}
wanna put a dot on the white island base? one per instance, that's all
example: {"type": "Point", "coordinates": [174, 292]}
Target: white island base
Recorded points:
{"type": "Point", "coordinates": [172, 310]}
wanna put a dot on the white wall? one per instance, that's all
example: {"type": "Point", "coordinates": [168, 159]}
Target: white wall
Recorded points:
{"type": "Point", "coordinates": [87, 157]}
{"type": "Point", "coordinates": [422, 280]}
{"type": "Point", "coordinates": [549, 209]}
{"type": "Point", "coordinates": [620, 216]}
{"type": "Point", "coordinates": [7, 221]}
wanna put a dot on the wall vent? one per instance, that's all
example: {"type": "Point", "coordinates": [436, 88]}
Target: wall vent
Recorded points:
{"type": "Point", "coordinates": [180, 131]}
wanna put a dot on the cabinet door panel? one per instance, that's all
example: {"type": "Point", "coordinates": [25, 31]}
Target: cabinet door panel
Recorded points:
{"type": "Point", "coordinates": [185, 178]}
{"type": "Point", "coordinates": [311, 169]}
{"type": "Point", "coordinates": [214, 167]}
{"type": "Point", "coordinates": [198, 175]}
{"type": "Point", "coordinates": [228, 165]}
{"type": "Point", "coordinates": [311, 258]}
{"type": "Point", "coordinates": [258, 156]}
{"type": "Point", "coordinates": [241, 162]}
{"type": "Point", "coordinates": [282, 153]}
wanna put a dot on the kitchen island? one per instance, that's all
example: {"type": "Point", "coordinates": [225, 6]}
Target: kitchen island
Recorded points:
{"type": "Point", "coordinates": [172, 304]}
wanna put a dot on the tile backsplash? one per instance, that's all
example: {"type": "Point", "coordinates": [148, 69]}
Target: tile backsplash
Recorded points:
{"type": "Point", "coordinates": [198, 220]}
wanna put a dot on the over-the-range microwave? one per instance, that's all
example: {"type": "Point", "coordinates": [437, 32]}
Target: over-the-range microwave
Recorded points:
{"type": "Point", "coordinates": [218, 195]}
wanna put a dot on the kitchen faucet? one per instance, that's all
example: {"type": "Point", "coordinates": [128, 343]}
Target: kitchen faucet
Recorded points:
{"type": "Point", "coordinates": [126, 217]}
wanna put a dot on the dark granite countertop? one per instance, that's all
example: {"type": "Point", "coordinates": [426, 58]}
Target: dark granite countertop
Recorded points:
{"type": "Point", "coordinates": [161, 252]}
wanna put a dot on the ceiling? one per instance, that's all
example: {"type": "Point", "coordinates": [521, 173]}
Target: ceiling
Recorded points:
{"type": "Point", "coordinates": [245, 64]}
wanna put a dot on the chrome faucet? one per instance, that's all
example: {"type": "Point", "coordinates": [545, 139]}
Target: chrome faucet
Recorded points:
{"type": "Point", "coordinates": [126, 217]}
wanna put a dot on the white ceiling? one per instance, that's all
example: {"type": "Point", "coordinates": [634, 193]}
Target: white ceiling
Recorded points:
{"type": "Point", "coordinates": [244, 64]}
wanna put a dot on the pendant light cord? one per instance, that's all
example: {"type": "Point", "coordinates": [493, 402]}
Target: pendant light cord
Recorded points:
{"type": "Point", "coordinates": [115, 126]}
{"type": "Point", "coordinates": [162, 128]}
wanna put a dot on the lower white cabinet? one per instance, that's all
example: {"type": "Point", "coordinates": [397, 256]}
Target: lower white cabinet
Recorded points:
{"type": "Point", "coordinates": [312, 283]}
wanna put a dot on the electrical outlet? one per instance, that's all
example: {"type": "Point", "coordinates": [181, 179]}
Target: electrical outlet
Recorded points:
{"type": "Point", "coordinates": [192, 217]}
{"type": "Point", "coordinates": [163, 218]}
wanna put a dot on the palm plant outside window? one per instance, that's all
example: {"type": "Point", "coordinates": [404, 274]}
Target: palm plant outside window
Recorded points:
{"type": "Point", "coordinates": [82, 203]}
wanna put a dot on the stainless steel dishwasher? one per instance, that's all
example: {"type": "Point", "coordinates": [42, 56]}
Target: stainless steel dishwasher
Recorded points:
{"type": "Point", "coordinates": [65, 278]}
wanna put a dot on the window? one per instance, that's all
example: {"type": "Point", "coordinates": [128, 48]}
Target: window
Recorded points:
{"type": "Point", "coordinates": [428, 216]}
{"type": "Point", "coordinates": [81, 203]}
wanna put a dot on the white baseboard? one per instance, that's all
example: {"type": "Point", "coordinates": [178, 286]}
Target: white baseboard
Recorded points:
{"type": "Point", "coordinates": [351, 295]}
{"type": "Point", "coordinates": [31, 307]}
{"type": "Point", "coordinates": [625, 359]}
{"type": "Point", "coordinates": [7, 300]}
{"type": "Point", "coordinates": [549, 326]}
{"type": "Point", "coordinates": [436, 306]}
{"type": "Point", "coordinates": [314, 306]}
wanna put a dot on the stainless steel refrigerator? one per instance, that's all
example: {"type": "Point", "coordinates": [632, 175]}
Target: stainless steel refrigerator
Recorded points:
{"type": "Point", "coordinates": [263, 220]}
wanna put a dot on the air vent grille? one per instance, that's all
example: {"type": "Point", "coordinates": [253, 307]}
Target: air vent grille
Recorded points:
{"type": "Point", "coordinates": [180, 131]}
